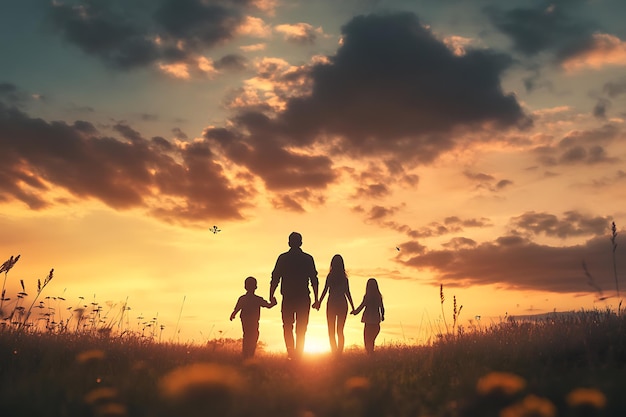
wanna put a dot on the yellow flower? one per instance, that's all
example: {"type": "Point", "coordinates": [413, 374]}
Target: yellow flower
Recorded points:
{"type": "Point", "coordinates": [100, 394]}
{"type": "Point", "coordinates": [531, 406]}
{"type": "Point", "coordinates": [500, 382]}
{"type": "Point", "coordinates": [199, 377]}
{"type": "Point", "coordinates": [90, 355]}
{"type": "Point", "coordinates": [357, 383]}
{"type": "Point", "coordinates": [586, 397]}
{"type": "Point", "coordinates": [111, 410]}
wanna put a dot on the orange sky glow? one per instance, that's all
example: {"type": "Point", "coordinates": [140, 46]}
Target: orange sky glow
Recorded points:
{"type": "Point", "coordinates": [424, 149]}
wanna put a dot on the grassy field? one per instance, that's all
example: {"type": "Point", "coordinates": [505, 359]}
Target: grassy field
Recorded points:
{"type": "Point", "coordinates": [571, 365]}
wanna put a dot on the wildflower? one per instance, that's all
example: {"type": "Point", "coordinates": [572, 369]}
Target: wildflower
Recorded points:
{"type": "Point", "coordinates": [111, 409]}
{"type": "Point", "coordinates": [199, 375]}
{"type": "Point", "coordinates": [530, 406]}
{"type": "Point", "coordinates": [90, 355]}
{"type": "Point", "coordinates": [201, 389]}
{"type": "Point", "coordinates": [590, 397]}
{"type": "Point", "coordinates": [357, 384]}
{"type": "Point", "coordinates": [500, 382]}
{"type": "Point", "coordinates": [102, 394]}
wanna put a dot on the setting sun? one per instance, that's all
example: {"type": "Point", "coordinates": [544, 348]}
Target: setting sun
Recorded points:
{"type": "Point", "coordinates": [315, 345]}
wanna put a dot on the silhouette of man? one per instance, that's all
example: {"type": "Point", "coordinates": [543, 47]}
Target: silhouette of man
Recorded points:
{"type": "Point", "coordinates": [294, 270]}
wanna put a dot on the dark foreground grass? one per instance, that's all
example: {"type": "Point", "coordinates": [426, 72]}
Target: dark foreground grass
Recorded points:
{"type": "Point", "coordinates": [566, 366]}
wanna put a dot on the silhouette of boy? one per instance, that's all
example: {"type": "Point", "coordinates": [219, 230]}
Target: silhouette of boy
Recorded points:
{"type": "Point", "coordinates": [250, 306]}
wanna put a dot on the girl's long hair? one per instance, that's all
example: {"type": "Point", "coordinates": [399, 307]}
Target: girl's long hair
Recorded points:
{"type": "Point", "coordinates": [337, 269]}
{"type": "Point", "coordinates": [372, 293]}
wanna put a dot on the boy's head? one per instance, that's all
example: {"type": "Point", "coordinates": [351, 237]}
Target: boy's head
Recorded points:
{"type": "Point", "coordinates": [250, 284]}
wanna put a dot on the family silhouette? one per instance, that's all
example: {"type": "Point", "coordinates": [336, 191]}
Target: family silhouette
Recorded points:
{"type": "Point", "coordinates": [296, 274]}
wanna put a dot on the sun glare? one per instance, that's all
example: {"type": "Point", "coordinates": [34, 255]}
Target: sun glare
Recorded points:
{"type": "Point", "coordinates": [315, 345]}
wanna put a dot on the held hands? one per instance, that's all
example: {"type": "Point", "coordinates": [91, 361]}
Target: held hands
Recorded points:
{"type": "Point", "coordinates": [273, 302]}
{"type": "Point", "coordinates": [316, 305]}
{"type": "Point", "coordinates": [353, 312]}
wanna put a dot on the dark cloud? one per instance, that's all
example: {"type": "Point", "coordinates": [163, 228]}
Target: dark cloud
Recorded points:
{"type": "Point", "coordinates": [280, 168]}
{"type": "Point", "coordinates": [581, 147]}
{"type": "Point", "coordinates": [615, 88]}
{"type": "Point", "coordinates": [297, 200]}
{"type": "Point", "coordinates": [8, 92]}
{"type": "Point", "coordinates": [599, 110]}
{"type": "Point", "coordinates": [607, 181]}
{"type": "Point", "coordinates": [382, 216]}
{"type": "Point", "coordinates": [543, 26]}
{"type": "Point", "coordinates": [126, 35]}
{"type": "Point", "coordinates": [146, 117]}
{"type": "Point", "coordinates": [11, 95]}
{"type": "Point", "coordinates": [502, 184]}
{"type": "Point", "coordinates": [479, 176]}
{"type": "Point", "coordinates": [98, 30]}
{"type": "Point", "coordinates": [394, 87]}
{"type": "Point", "coordinates": [451, 224]}
{"type": "Point", "coordinates": [231, 62]}
{"type": "Point", "coordinates": [380, 212]}
{"type": "Point", "coordinates": [178, 184]}
{"type": "Point", "coordinates": [393, 92]}
{"type": "Point", "coordinates": [285, 202]}
{"type": "Point", "coordinates": [486, 181]}
{"type": "Point", "coordinates": [373, 191]}
{"type": "Point", "coordinates": [460, 243]}
{"type": "Point", "coordinates": [179, 133]}
{"type": "Point", "coordinates": [572, 224]}
{"type": "Point", "coordinates": [514, 262]}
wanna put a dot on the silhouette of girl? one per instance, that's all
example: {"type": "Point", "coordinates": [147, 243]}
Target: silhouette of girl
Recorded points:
{"type": "Point", "coordinates": [372, 316]}
{"type": "Point", "coordinates": [338, 291]}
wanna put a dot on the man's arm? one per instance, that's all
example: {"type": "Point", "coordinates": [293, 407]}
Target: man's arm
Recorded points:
{"type": "Point", "coordinates": [275, 280]}
{"type": "Point", "coordinates": [314, 282]}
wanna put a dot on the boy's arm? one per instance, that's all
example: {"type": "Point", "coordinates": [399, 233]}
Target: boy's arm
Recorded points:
{"type": "Point", "coordinates": [236, 310]}
{"type": "Point", "coordinates": [382, 310]}
{"type": "Point", "coordinates": [268, 304]}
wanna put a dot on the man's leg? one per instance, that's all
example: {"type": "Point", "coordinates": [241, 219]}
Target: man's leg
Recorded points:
{"type": "Point", "coordinates": [302, 321]}
{"type": "Point", "coordinates": [288, 313]}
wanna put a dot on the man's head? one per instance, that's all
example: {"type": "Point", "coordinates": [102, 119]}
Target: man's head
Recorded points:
{"type": "Point", "coordinates": [295, 240]}
{"type": "Point", "coordinates": [250, 284]}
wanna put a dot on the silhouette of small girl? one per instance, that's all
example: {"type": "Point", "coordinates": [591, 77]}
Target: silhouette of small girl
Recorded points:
{"type": "Point", "coordinates": [338, 291]}
{"type": "Point", "coordinates": [250, 306]}
{"type": "Point", "coordinates": [372, 316]}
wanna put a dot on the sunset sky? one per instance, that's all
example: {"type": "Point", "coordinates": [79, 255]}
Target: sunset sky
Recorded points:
{"type": "Point", "coordinates": [479, 145]}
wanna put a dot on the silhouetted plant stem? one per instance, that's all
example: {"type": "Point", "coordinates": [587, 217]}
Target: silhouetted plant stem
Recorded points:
{"type": "Point", "coordinates": [443, 314]}
{"type": "Point", "coordinates": [180, 314]}
{"type": "Point", "coordinates": [613, 236]}
{"type": "Point", "coordinates": [6, 267]}
{"type": "Point", "coordinates": [40, 288]}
